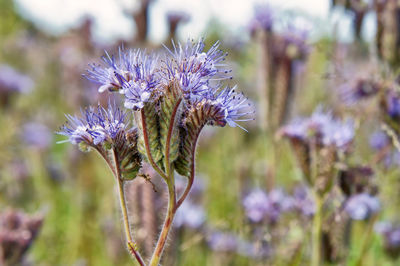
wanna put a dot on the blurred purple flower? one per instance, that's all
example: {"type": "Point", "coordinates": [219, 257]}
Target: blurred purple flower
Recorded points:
{"type": "Point", "coordinates": [259, 205]}
{"type": "Point", "coordinates": [303, 201]}
{"type": "Point", "coordinates": [37, 135]}
{"type": "Point", "coordinates": [379, 140]}
{"type": "Point", "coordinates": [391, 238]}
{"type": "Point", "coordinates": [263, 18]}
{"type": "Point", "coordinates": [358, 89]}
{"type": "Point", "coordinates": [362, 206]}
{"type": "Point", "coordinates": [256, 205]}
{"type": "Point", "coordinates": [13, 81]}
{"type": "Point", "coordinates": [393, 104]}
{"type": "Point", "coordinates": [189, 215]}
{"type": "Point", "coordinates": [323, 128]}
{"type": "Point", "coordinates": [176, 17]}
{"type": "Point", "coordinates": [223, 242]}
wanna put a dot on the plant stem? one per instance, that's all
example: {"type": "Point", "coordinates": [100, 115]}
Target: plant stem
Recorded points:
{"type": "Point", "coordinates": [131, 245]}
{"type": "Point", "coordinates": [366, 241]}
{"type": "Point", "coordinates": [316, 231]}
{"type": "Point", "coordinates": [155, 259]}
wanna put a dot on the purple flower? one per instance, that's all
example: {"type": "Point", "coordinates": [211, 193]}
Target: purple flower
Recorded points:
{"type": "Point", "coordinates": [263, 18]}
{"type": "Point", "coordinates": [96, 126]}
{"type": "Point", "coordinates": [303, 202]}
{"type": "Point", "coordinates": [233, 106]}
{"type": "Point", "coordinates": [37, 135]}
{"type": "Point", "coordinates": [358, 89]}
{"type": "Point", "coordinates": [362, 206]}
{"type": "Point", "coordinates": [195, 69]}
{"type": "Point", "coordinates": [223, 242]}
{"type": "Point", "coordinates": [379, 140]}
{"type": "Point", "coordinates": [393, 104]}
{"type": "Point", "coordinates": [189, 215]}
{"type": "Point", "coordinates": [259, 205]}
{"type": "Point", "coordinates": [256, 205]}
{"type": "Point", "coordinates": [294, 41]}
{"type": "Point", "coordinates": [133, 73]}
{"type": "Point", "coordinates": [391, 238]}
{"type": "Point", "coordinates": [177, 16]}
{"type": "Point", "coordinates": [323, 128]}
{"type": "Point", "coordinates": [13, 81]}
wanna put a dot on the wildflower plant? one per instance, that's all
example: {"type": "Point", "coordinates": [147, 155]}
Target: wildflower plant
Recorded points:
{"type": "Point", "coordinates": [171, 98]}
{"type": "Point", "coordinates": [319, 142]}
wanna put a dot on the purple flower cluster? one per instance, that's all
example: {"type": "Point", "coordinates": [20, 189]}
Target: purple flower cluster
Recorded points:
{"type": "Point", "coordinates": [391, 238]}
{"type": "Point", "coordinates": [190, 215]}
{"type": "Point", "coordinates": [96, 126]}
{"type": "Point", "coordinates": [13, 81]}
{"type": "Point", "coordinates": [362, 206]}
{"type": "Point", "coordinates": [358, 89]}
{"type": "Point", "coordinates": [263, 18]}
{"type": "Point", "coordinates": [36, 135]}
{"type": "Point", "coordinates": [380, 142]}
{"type": "Point", "coordinates": [322, 128]}
{"type": "Point", "coordinates": [392, 100]}
{"type": "Point", "coordinates": [260, 206]}
{"type": "Point", "coordinates": [142, 78]}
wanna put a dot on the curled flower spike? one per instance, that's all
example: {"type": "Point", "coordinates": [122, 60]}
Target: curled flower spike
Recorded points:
{"type": "Point", "coordinates": [234, 107]}
{"type": "Point", "coordinates": [96, 126]}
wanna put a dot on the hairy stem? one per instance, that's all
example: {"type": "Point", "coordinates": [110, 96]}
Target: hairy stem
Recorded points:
{"type": "Point", "coordinates": [131, 245]}
{"type": "Point", "coordinates": [147, 146]}
{"type": "Point", "coordinates": [316, 231]}
{"type": "Point", "coordinates": [366, 241]}
{"type": "Point", "coordinates": [155, 259]}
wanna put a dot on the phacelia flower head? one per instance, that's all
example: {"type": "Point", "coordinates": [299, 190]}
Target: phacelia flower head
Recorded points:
{"type": "Point", "coordinates": [96, 126]}
{"type": "Point", "coordinates": [132, 73]}
{"type": "Point", "coordinates": [323, 128]}
{"type": "Point", "coordinates": [234, 107]}
{"type": "Point", "coordinates": [197, 70]}
{"type": "Point", "coordinates": [362, 206]}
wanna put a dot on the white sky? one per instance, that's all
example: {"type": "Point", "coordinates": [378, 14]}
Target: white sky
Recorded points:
{"type": "Point", "coordinates": [57, 16]}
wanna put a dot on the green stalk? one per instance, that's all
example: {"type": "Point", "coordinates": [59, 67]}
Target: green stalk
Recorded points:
{"type": "Point", "coordinates": [131, 245]}
{"type": "Point", "coordinates": [155, 258]}
{"type": "Point", "coordinates": [316, 232]}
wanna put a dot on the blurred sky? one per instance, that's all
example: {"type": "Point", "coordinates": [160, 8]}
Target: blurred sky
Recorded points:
{"type": "Point", "coordinates": [57, 16]}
